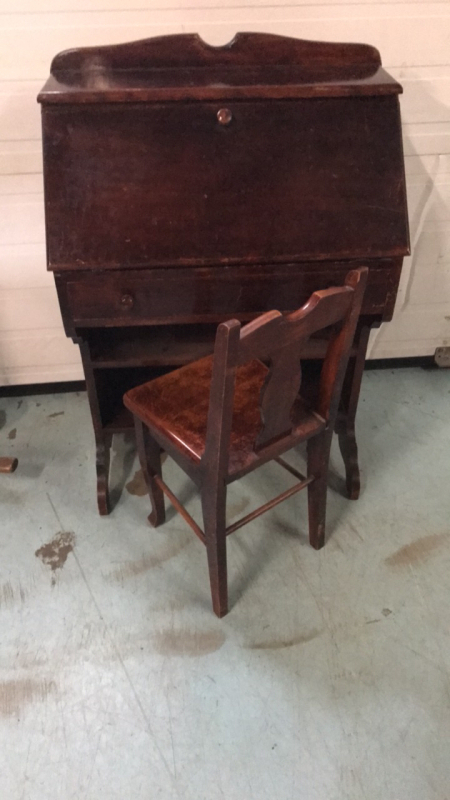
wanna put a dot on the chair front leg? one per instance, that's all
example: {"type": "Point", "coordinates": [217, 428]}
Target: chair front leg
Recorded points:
{"type": "Point", "coordinates": [318, 451]}
{"type": "Point", "coordinates": [150, 459]}
{"type": "Point", "coordinates": [214, 508]}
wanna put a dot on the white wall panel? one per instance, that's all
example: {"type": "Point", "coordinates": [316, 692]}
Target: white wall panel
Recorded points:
{"type": "Point", "coordinates": [414, 40]}
{"type": "Point", "coordinates": [426, 138]}
{"type": "Point", "coordinates": [21, 219]}
{"type": "Point", "coordinates": [24, 266]}
{"type": "Point", "coordinates": [19, 157]}
{"type": "Point", "coordinates": [20, 117]}
{"type": "Point", "coordinates": [29, 309]}
{"type": "Point", "coordinates": [407, 34]}
{"type": "Point", "coordinates": [92, 6]}
{"type": "Point", "coordinates": [33, 345]}
{"type": "Point", "coordinates": [42, 356]}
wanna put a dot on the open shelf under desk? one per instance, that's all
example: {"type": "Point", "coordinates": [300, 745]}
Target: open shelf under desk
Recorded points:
{"type": "Point", "coordinates": [126, 357]}
{"type": "Point", "coordinates": [156, 346]}
{"type": "Point", "coordinates": [121, 421]}
{"type": "Point", "coordinates": [165, 346]}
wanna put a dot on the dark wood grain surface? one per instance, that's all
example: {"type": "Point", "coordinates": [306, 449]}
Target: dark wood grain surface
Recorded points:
{"type": "Point", "coordinates": [170, 185]}
{"type": "Point", "coordinates": [187, 184]}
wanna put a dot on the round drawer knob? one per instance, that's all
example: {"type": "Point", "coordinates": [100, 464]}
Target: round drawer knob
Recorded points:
{"type": "Point", "coordinates": [127, 300]}
{"type": "Point", "coordinates": [224, 116]}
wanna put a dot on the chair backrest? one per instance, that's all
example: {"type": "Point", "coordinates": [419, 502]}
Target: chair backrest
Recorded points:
{"type": "Point", "coordinates": [278, 340]}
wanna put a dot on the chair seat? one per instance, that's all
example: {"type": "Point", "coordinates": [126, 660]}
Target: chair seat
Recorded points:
{"type": "Point", "coordinates": [175, 406]}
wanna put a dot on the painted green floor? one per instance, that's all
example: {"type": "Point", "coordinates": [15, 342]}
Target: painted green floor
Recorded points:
{"type": "Point", "coordinates": [328, 680]}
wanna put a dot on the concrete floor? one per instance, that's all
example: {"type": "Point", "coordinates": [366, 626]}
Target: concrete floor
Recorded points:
{"type": "Point", "coordinates": [328, 680]}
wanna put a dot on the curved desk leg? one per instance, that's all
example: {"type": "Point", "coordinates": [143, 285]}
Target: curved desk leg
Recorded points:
{"type": "Point", "coordinates": [150, 460]}
{"type": "Point", "coordinates": [345, 425]}
{"type": "Point", "coordinates": [102, 460]}
{"type": "Point", "coordinates": [103, 439]}
{"type": "Point", "coordinates": [349, 451]}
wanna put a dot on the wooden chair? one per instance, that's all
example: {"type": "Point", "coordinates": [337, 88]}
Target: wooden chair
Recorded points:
{"type": "Point", "coordinates": [225, 415]}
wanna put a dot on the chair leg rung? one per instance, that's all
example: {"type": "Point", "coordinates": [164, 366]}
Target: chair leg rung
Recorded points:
{"type": "Point", "coordinates": [290, 469]}
{"type": "Point", "coordinates": [180, 508]}
{"type": "Point", "coordinates": [267, 506]}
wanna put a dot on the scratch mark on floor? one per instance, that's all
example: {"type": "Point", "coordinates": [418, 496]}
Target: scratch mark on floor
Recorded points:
{"type": "Point", "coordinates": [9, 595]}
{"type": "Point", "coordinates": [55, 414]}
{"type": "Point", "coordinates": [129, 569]}
{"type": "Point", "coordinates": [355, 531]}
{"type": "Point", "coordinates": [280, 644]}
{"type": "Point", "coordinates": [15, 694]}
{"type": "Point", "coordinates": [108, 633]}
{"type": "Point", "coordinates": [188, 643]}
{"type": "Point", "coordinates": [418, 551]}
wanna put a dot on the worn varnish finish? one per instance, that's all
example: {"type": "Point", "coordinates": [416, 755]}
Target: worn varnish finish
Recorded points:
{"type": "Point", "coordinates": [225, 415]}
{"type": "Point", "coordinates": [243, 178]}
{"type": "Point", "coordinates": [187, 184]}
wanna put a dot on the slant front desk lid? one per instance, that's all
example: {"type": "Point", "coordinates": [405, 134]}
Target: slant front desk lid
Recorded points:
{"type": "Point", "coordinates": [184, 67]}
{"type": "Point", "coordinates": [169, 152]}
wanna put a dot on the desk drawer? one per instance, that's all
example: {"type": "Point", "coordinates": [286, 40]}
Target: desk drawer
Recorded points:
{"type": "Point", "coordinates": [144, 297]}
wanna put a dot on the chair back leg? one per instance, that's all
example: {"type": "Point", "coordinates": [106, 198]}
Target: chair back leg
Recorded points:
{"type": "Point", "coordinates": [318, 453]}
{"type": "Point", "coordinates": [214, 521]}
{"type": "Point", "coordinates": [150, 459]}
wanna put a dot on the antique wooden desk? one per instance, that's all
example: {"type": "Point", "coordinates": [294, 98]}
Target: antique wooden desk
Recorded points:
{"type": "Point", "coordinates": [187, 184]}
